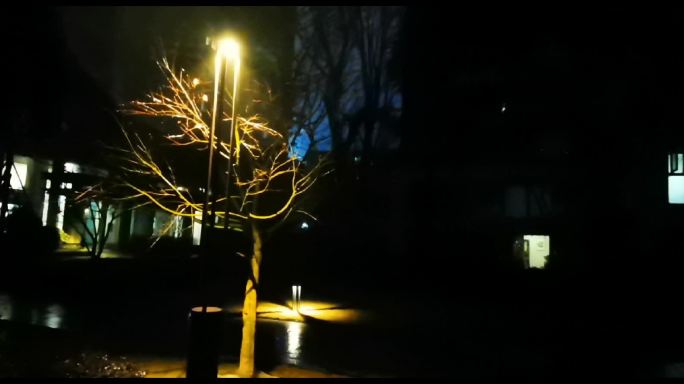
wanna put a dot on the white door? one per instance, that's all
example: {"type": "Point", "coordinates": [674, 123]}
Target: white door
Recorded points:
{"type": "Point", "coordinates": [539, 249]}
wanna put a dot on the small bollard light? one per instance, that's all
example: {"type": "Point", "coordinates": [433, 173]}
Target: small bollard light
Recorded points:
{"type": "Point", "coordinates": [296, 297]}
{"type": "Point", "coordinates": [299, 297]}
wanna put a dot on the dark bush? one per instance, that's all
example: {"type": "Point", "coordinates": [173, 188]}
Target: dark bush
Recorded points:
{"type": "Point", "coordinates": [27, 239]}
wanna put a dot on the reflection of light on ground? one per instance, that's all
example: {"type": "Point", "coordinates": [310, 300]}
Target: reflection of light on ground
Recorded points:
{"type": "Point", "coordinates": [314, 309]}
{"type": "Point", "coordinates": [294, 338]}
{"type": "Point", "coordinates": [5, 307]}
{"type": "Point", "coordinates": [156, 367]}
{"type": "Point", "coordinates": [54, 315]}
{"type": "Point", "coordinates": [81, 253]}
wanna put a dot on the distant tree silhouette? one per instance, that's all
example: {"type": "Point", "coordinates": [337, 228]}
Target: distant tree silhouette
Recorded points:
{"type": "Point", "coordinates": [342, 73]}
{"type": "Point", "coordinates": [102, 209]}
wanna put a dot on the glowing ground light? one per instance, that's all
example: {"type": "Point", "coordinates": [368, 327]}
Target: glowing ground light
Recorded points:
{"type": "Point", "coordinates": [305, 225]}
{"type": "Point", "coordinates": [296, 297]}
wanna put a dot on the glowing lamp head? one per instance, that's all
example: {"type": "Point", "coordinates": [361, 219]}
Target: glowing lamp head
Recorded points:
{"type": "Point", "coordinates": [195, 82]}
{"type": "Point", "coordinates": [229, 48]}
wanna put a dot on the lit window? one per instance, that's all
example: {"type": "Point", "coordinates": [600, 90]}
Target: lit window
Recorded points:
{"type": "Point", "coordinates": [161, 225]}
{"type": "Point", "coordinates": [46, 204]}
{"type": "Point", "coordinates": [196, 231]}
{"type": "Point", "coordinates": [72, 168]}
{"type": "Point", "coordinates": [96, 213]}
{"type": "Point", "coordinates": [60, 215]}
{"type": "Point", "coordinates": [178, 227]}
{"type": "Point", "coordinates": [675, 178]}
{"type": "Point", "coordinates": [10, 207]}
{"type": "Point", "coordinates": [18, 176]}
{"type": "Point", "coordinates": [675, 163]}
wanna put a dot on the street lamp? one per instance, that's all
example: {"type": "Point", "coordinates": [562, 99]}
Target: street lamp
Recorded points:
{"type": "Point", "coordinates": [205, 321]}
{"type": "Point", "coordinates": [296, 297]}
{"type": "Point", "coordinates": [227, 50]}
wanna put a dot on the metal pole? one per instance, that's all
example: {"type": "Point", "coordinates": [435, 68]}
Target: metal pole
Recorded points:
{"type": "Point", "coordinates": [208, 220]}
{"type": "Point", "coordinates": [236, 73]}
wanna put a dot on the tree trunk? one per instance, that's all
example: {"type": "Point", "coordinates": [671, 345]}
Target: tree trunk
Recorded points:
{"type": "Point", "coordinates": [102, 232]}
{"type": "Point", "coordinates": [249, 309]}
{"type": "Point", "coordinates": [5, 185]}
{"type": "Point", "coordinates": [55, 182]}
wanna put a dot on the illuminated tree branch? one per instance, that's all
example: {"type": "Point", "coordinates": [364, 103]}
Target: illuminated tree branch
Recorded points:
{"type": "Point", "coordinates": [260, 155]}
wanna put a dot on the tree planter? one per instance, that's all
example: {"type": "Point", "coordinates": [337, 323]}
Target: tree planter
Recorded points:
{"type": "Point", "coordinates": [205, 336]}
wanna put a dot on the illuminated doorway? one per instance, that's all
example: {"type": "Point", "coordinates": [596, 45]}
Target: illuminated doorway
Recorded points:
{"type": "Point", "coordinates": [533, 250]}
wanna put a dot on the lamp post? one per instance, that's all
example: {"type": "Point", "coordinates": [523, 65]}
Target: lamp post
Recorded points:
{"type": "Point", "coordinates": [226, 50]}
{"type": "Point", "coordinates": [231, 52]}
{"type": "Point", "coordinates": [205, 321]}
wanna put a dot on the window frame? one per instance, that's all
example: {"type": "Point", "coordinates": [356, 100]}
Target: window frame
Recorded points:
{"type": "Point", "coordinates": [675, 169]}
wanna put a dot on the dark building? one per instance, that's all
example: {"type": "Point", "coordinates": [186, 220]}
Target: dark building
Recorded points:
{"type": "Point", "coordinates": [518, 126]}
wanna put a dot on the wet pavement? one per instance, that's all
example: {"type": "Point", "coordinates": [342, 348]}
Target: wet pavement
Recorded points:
{"type": "Point", "coordinates": [123, 309]}
{"type": "Point", "coordinates": [347, 349]}
{"type": "Point", "coordinates": [369, 348]}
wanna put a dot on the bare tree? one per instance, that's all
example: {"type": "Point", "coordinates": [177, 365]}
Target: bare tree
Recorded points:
{"type": "Point", "coordinates": [93, 218]}
{"type": "Point", "coordinates": [374, 32]}
{"type": "Point", "coordinates": [322, 69]}
{"type": "Point", "coordinates": [267, 183]}
{"type": "Point", "coordinates": [341, 73]}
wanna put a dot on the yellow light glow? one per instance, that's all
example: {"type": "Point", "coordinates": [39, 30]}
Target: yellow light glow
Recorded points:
{"type": "Point", "coordinates": [205, 98]}
{"type": "Point", "coordinates": [229, 48]}
{"type": "Point", "coordinates": [67, 238]}
{"type": "Point", "coordinates": [195, 82]}
{"type": "Point", "coordinates": [318, 310]}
